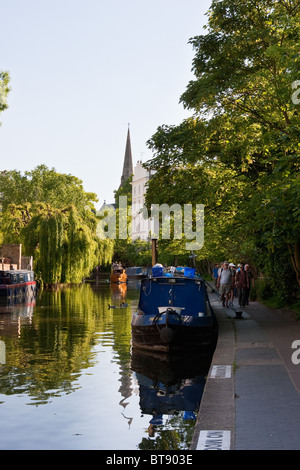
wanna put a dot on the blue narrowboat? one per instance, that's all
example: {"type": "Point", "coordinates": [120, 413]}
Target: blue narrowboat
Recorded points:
{"type": "Point", "coordinates": [16, 283]}
{"type": "Point", "coordinates": [173, 314]}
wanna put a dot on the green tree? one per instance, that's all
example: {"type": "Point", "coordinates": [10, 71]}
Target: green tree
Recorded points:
{"type": "Point", "coordinates": [44, 185]}
{"type": "Point", "coordinates": [125, 190]}
{"type": "Point", "coordinates": [54, 219]}
{"type": "Point", "coordinates": [4, 90]}
{"type": "Point", "coordinates": [239, 154]}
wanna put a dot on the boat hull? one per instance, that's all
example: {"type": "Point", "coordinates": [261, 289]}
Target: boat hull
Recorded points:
{"type": "Point", "coordinates": [118, 274]}
{"type": "Point", "coordinates": [17, 290]}
{"type": "Point", "coordinates": [168, 339]}
{"type": "Point", "coordinates": [167, 335]}
{"type": "Point", "coordinates": [169, 329]}
{"type": "Point", "coordinates": [17, 283]}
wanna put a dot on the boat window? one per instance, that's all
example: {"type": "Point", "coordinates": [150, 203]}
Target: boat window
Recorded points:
{"type": "Point", "coordinates": [21, 277]}
{"type": "Point", "coordinates": [14, 279]}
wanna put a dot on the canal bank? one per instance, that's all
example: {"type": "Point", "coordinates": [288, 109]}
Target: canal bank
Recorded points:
{"type": "Point", "coordinates": [251, 399]}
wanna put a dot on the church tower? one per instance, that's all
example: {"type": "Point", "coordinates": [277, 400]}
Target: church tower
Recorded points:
{"type": "Point", "coordinates": [127, 165]}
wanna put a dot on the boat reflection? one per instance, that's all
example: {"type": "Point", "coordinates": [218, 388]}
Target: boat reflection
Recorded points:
{"type": "Point", "coordinates": [169, 384]}
{"type": "Point", "coordinates": [17, 306]}
{"type": "Point", "coordinates": [2, 353]}
{"type": "Point", "coordinates": [118, 292]}
{"type": "Point", "coordinates": [14, 311]}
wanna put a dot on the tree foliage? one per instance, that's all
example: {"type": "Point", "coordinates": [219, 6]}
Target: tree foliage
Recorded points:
{"type": "Point", "coordinates": [239, 152]}
{"type": "Point", "coordinates": [4, 90]}
{"type": "Point", "coordinates": [44, 185]}
{"type": "Point", "coordinates": [53, 217]}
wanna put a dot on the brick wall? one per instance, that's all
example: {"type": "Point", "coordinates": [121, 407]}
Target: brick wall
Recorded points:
{"type": "Point", "coordinates": [10, 255]}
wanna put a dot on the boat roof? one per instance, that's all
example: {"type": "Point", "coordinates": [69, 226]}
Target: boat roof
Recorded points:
{"type": "Point", "coordinates": [15, 271]}
{"type": "Point", "coordinates": [173, 279]}
{"type": "Point", "coordinates": [187, 293]}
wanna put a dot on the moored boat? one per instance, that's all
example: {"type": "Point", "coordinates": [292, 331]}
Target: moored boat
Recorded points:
{"type": "Point", "coordinates": [118, 274]}
{"type": "Point", "coordinates": [136, 272]}
{"type": "Point", "coordinates": [173, 314]}
{"type": "Point", "coordinates": [15, 283]}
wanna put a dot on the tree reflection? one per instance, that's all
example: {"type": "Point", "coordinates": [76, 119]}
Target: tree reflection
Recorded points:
{"type": "Point", "coordinates": [177, 437]}
{"type": "Point", "coordinates": [46, 356]}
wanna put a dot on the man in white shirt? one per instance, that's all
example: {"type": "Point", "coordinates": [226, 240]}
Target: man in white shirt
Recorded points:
{"type": "Point", "coordinates": [225, 283]}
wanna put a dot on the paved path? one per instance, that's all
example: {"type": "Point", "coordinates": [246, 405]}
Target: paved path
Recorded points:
{"type": "Point", "coordinates": [256, 406]}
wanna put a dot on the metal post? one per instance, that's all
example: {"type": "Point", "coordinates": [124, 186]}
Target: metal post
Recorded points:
{"type": "Point", "coordinates": [154, 251]}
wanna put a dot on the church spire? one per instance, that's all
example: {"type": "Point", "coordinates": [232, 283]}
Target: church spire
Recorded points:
{"type": "Point", "coordinates": [127, 165]}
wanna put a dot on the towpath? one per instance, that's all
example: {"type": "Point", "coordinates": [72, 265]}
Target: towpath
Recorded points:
{"type": "Point", "coordinates": [251, 399]}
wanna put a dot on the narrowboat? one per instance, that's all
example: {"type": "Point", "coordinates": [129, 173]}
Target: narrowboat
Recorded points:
{"type": "Point", "coordinates": [118, 274]}
{"type": "Point", "coordinates": [136, 272]}
{"type": "Point", "coordinates": [15, 283]}
{"type": "Point", "coordinates": [174, 314]}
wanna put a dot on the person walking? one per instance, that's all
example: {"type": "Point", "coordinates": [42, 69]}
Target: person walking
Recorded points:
{"type": "Point", "coordinates": [242, 282]}
{"type": "Point", "coordinates": [250, 282]}
{"type": "Point", "coordinates": [215, 274]}
{"type": "Point", "coordinates": [225, 281]}
{"type": "Point", "coordinates": [232, 267]}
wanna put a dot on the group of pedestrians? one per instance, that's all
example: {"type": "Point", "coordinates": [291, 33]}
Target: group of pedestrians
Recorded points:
{"type": "Point", "coordinates": [233, 281]}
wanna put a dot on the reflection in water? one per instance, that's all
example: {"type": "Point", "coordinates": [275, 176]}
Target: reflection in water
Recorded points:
{"type": "Point", "coordinates": [69, 355]}
{"type": "Point", "coordinates": [170, 389]}
{"type": "Point", "coordinates": [118, 293]}
{"type": "Point", "coordinates": [15, 311]}
{"type": "Point", "coordinates": [2, 353]}
{"type": "Point", "coordinates": [55, 343]}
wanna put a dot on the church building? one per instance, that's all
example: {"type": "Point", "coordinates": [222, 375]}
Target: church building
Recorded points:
{"type": "Point", "coordinates": [140, 224]}
{"type": "Point", "coordinates": [127, 165]}
{"type": "Point", "coordinates": [140, 176]}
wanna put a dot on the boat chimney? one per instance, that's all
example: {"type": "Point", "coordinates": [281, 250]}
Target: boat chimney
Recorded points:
{"type": "Point", "coordinates": [154, 251]}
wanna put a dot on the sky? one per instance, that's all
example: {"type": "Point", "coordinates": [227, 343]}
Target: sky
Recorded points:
{"type": "Point", "coordinates": [82, 71]}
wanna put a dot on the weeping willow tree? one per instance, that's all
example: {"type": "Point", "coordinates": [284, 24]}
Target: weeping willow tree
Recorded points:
{"type": "Point", "coordinates": [64, 242]}
{"type": "Point", "coordinates": [54, 218]}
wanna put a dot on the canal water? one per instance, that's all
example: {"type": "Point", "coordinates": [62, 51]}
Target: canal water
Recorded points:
{"type": "Point", "coordinates": [70, 380]}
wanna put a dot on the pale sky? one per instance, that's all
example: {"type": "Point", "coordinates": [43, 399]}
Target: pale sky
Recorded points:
{"type": "Point", "coordinates": [81, 70]}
